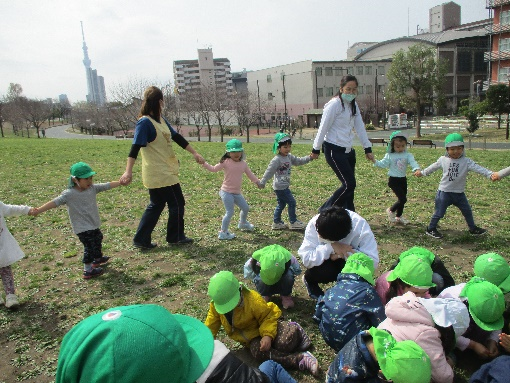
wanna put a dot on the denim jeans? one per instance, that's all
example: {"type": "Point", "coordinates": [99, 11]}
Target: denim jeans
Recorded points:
{"type": "Point", "coordinates": [283, 286]}
{"type": "Point", "coordinates": [445, 199]}
{"type": "Point", "coordinates": [159, 198]}
{"type": "Point", "coordinates": [229, 200]}
{"type": "Point", "coordinates": [284, 197]}
{"type": "Point", "coordinates": [275, 372]}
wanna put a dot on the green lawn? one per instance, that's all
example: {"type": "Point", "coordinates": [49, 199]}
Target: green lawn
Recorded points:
{"type": "Point", "coordinates": [49, 279]}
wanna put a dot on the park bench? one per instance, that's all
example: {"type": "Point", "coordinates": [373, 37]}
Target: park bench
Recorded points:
{"type": "Point", "coordinates": [378, 141]}
{"type": "Point", "coordinates": [424, 142]}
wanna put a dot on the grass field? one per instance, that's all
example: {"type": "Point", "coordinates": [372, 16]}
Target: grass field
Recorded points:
{"type": "Point", "coordinates": [49, 281]}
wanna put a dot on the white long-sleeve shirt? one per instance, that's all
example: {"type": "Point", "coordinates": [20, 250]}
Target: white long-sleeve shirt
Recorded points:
{"type": "Point", "coordinates": [10, 251]}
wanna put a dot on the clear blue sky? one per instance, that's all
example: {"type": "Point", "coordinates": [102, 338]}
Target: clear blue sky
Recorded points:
{"type": "Point", "coordinates": [41, 41]}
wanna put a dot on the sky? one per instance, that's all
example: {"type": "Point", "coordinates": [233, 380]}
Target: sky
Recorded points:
{"type": "Point", "coordinates": [41, 41]}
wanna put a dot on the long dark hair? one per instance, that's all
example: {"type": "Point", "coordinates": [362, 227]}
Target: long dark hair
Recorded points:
{"type": "Point", "coordinates": [150, 104]}
{"type": "Point", "coordinates": [344, 81]}
{"type": "Point", "coordinates": [447, 335]}
{"type": "Point", "coordinates": [394, 288]}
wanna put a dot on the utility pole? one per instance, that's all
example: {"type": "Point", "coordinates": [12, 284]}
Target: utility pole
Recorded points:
{"type": "Point", "coordinates": [258, 98]}
{"type": "Point", "coordinates": [284, 103]}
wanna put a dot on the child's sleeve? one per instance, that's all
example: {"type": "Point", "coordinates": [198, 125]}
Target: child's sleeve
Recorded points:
{"type": "Point", "coordinates": [248, 271]}
{"type": "Point", "coordinates": [213, 321]}
{"type": "Point", "coordinates": [432, 168]}
{"type": "Point", "coordinates": [294, 266]}
{"type": "Point", "coordinates": [504, 172]}
{"type": "Point", "coordinates": [384, 163]}
{"type": "Point", "coordinates": [14, 210]}
{"type": "Point", "coordinates": [270, 171]}
{"type": "Point", "coordinates": [266, 314]}
{"type": "Point", "coordinates": [101, 187]}
{"type": "Point", "coordinates": [215, 168]}
{"type": "Point", "coordinates": [299, 160]}
{"type": "Point", "coordinates": [474, 167]}
{"type": "Point", "coordinates": [412, 162]}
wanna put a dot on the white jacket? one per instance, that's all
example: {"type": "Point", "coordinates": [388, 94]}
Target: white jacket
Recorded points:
{"type": "Point", "coordinates": [10, 251]}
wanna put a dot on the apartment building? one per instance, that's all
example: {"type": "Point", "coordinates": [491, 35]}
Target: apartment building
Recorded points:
{"type": "Point", "coordinates": [498, 31]}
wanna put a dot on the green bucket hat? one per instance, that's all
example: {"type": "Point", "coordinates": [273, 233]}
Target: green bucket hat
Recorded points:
{"type": "Point", "coordinates": [485, 302]}
{"type": "Point", "coordinates": [234, 145]}
{"type": "Point", "coordinates": [224, 291]}
{"type": "Point", "coordinates": [279, 137]}
{"type": "Point", "coordinates": [453, 139]}
{"type": "Point", "coordinates": [272, 261]}
{"type": "Point", "coordinates": [397, 133]}
{"type": "Point", "coordinates": [139, 343]}
{"type": "Point", "coordinates": [420, 252]}
{"type": "Point", "coordinates": [402, 362]}
{"type": "Point", "coordinates": [362, 265]}
{"type": "Point", "coordinates": [494, 268]}
{"type": "Point", "coordinates": [80, 170]}
{"type": "Point", "coordinates": [414, 271]}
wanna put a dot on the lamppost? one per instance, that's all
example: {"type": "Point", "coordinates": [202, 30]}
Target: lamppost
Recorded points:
{"type": "Point", "coordinates": [383, 111]}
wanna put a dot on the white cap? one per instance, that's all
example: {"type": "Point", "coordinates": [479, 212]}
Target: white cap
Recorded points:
{"type": "Point", "coordinates": [448, 312]}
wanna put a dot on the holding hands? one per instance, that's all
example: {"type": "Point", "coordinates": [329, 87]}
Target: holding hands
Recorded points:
{"type": "Point", "coordinates": [418, 173]}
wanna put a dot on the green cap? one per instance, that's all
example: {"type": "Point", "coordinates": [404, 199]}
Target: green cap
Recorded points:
{"type": "Point", "coordinates": [453, 139]}
{"type": "Point", "coordinates": [402, 362]}
{"type": "Point", "coordinates": [494, 268]}
{"type": "Point", "coordinates": [234, 145]}
{"type": "Point", "coordinates": [272, 261]}
{"type": "Point", "coordinates": [279, 137]}
{"type": "Point", "coordinates": [414, 271]}
{"type": "Point", "coordinates": [224, 291]}
{"type": "Point", "coordinates": [79, 170]}
{"type": "Point", "coordinates": [361, 264]}
{"type": "Point", "coordinates": [485, 302]}
{"type": "Point", "coordinates": [135, 344]}
{"type": "Point", "coordinates": [420, 252]}
{"type": "Point", "coordinates": [396, 134]}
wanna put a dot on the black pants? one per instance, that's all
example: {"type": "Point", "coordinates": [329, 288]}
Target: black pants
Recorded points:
{"type": "Point", "coordinates": [399, 187]}
{"type": "Point", "coordinates": [325, 273]}
{"type": "Point", "coordinates": [93, 244]}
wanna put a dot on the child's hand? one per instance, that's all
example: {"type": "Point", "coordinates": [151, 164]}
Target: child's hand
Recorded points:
{"type": "Point", "coordinates": [495, 176]}
{"type": "Point", "coordinates": [33, 211]}
{"type": "Point", "coordinates": [370, 156]}
{"type": "Point", "coordinates": [260, 185]}
{"type": "Point", "coordinates": [314, 156]}
{"type": "Point", "coordinates": [265, 343]}
{"type": "Point", "coordinates": [199, 158]}
{"type": "Point", "coordinates": [342, 249]}
{"type": "Point", "coordinates": [504, 341]}
{"type": "Point", "coordinates": [492, 346]}
{"type": "Point", "coordinates": [479, 349]}
{"type": "Point", "coordinates": [418, 173]}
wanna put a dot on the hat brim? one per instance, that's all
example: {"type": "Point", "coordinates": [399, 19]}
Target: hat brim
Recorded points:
{"type": "Point", "coordinates": [454, 143]}
{"type": "Point", "coordinates": [492, 326]}
{"type": "Point", "coordinates": [505, 285]}
{"type": "Point", "coordinates": [86, 175]}
{"type": "Point", "coordinates": [235, 150]}
{"type": "Point", "coordinates": [201, 343]}
{"type": "Point", "coordinates": [230, 305]}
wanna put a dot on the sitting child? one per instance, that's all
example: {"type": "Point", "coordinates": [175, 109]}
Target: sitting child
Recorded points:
{"type": "Point", "coordinates": [375, 356]}
{"type": "Point", "coordinates": [273, 269]}
{"type": "Point", "coordinates": [256, 324]}
{"type": "Point", "coordinates": [351, 305]}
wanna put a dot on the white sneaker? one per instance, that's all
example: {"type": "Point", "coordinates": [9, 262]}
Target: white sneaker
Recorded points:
{"type": "Point", "coordinates": [226, 235]}
{"type": "Point", "coordinates": [297, 225]}
{"type": "Point", "coordinates": [391, 216]}
{"type": "Point", "coordinates": [403, 220]}
{"type": "Point", "coordinates": [11, 301]}
{"type": "Point", "coordinates": [279, 226]}
{"type": "Point", "coordinates": [245, 226]}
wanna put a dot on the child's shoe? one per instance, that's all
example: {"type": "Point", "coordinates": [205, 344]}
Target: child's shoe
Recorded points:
{"type": "Point", "coordinates": [279, 226]}
{"type": "Point", "coordinates": [434, 233]}
{"type": "Point", "coordinates": [226, 235]}
{"type": "Point", "coordinates": [96, 272]}
{"type": "Point", "coordinates": [305, 339]}
{"type": "Point", "coordinates": [477, 231]}
{"type": "Point", "coordinates": [310, 363]}
{"type": "Point", "coordinates": [297, 225]}
{"type": "Point", "coordinates": [100, 261]}
{"type": "Point", "coordinates": [11, 301]}
{"type": "Point", "coordinates": [245, 226]}
{"type": "Point", "coordinates": [402, 220]}
{"type": "Point", "coordinates": [391, 216]}
{"type": "Point", "coordinates": [287, 302]}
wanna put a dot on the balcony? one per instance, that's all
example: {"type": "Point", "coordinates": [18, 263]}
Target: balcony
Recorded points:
{"type": "Point", "coordinates": [497, 28]}
{"type": "Point", "coordinates": [496, 55]}
{"type": "Point", "coordinates": [496, 3]}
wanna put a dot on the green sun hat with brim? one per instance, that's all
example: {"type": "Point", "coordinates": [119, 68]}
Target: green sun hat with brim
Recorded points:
{"type": "Point", "coordinates": [396, 134]}
{"type": "Point", "coordinates": [420, 252]}
{"type": "Point", "coordinates": [272, 261]}
{"type": "Point", "coordinates": [362, 265]}
{"type": "Point", "coordinates": [79, 170]}
{"type": "Point", "coordinates": [414, 271]}
{"type": "Point", "coordinates": [494, 268]}
{"type": "Point", "coordinates": [453, 139]}
{"type": "Point", "coordinates": [234, 145]}
{"type": "Point", "coordinates": [402, 362]}
{"type": "Point", "coordinates": [224, 291]}
{"type": "Point", "coordinates": [486, 303]}
{"type": "Point", "coordinates": [139, 343]}
{"type": "Point", "coordinates": [278, 138]}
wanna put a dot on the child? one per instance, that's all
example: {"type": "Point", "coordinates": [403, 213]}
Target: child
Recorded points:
{"type": "Point", "coordinates": [280, 166]}
{"type": "Point", "coordinates": [432, 323]}
{"type": "Point", "coordinates": [496, 176]}
{"type": "Point", "coordinates": [248, 319]}
{"type": "Point", "coordinates": [233, 165]}
{"type": "Point", "coordinates": [375, 356]}
{"type": "Point", "coordinates": [330, 238]}
{"type": "Point", "coordinates": [496, 371]}
{"type": "Point", "coordinates": [396, 160]}
{"type": "Point", "coordinates": [494, 268]}
{"type": "Point", "coordinates": [351, 305]}
{"type": "Point", "coordinates": [455, 166]}
{"type": "Point", "coordinates": [80, 200]}
{"type": "Point", "coordinates": [10, 251]}
{"type": "Point", "coordinates": [273, 270]}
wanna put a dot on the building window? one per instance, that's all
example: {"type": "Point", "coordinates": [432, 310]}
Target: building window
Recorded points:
{"type": "Point", "coordinates": [503, 75]}
{"type": "Point", "coordinates": [282, 76]}
{"type": "Point", "coordinates": [350, 70]}
{"type": "Point", "coordinates": [318, 71]}
{"type": "Point", "coordinates": [329, 91]}
{"type": "Point", "coordinates": [329, 71]}
{"type": "Point", "coordinates": [269, 78]}
{"type": "Point", "coordinates": [504, 44]}
{"type": "Point", "coordinates": [338, 71]}
{"type": "Point", "coordinates": [360, 89]}
{"type": "Point", "coordinates": [359, 70]}
{"type": "Point", "coordinates": [320, 93]}
{"type": "Point", "coordinates": [368, 89]}
{"type": "Point", "coordinates": [270, 96]}
{"type": "Point", "coordinates": [381, 70]}
{"type": "Point", "coordinates": [504, 18]}
{"type": "Point", "coordinates": [480, 64]}
{"type": "Point", "coordinates": [368, 70]}
{"type": "Point", "coordinates": [463, 61]}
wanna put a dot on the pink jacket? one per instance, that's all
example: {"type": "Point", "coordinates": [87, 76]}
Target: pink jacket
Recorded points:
{"type": "Point", "coordinates": [408, 319]}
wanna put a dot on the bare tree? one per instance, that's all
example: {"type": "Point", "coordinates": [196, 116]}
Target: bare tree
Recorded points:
{"type": "Point", "coordinates": [35, 112]}
{"type": "Point", "coordinates": [199, 101]}
{"type": "Point", "coordinates": [246, 109]}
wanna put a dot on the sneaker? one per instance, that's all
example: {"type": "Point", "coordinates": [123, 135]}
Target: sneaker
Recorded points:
{"type": "Point", "coordinates": [391, 216]}
{"type": "Point", "coordinates": [313, 291]}
{"type": "Point", "coordinates": [434, 233]}
{"type": "Point", "coordinates": [287, 302]}
{"type": "Point", "coordinates": [226, 235]}
{"type": "Point", "coordinates": [477, 231]}
{"type": "Point", "coordinates": [279, 226]}
{"type": "Point", "coordinates": [11, 301]}
{"type": "Point", "coordinates": [245, 226]}
{"type": "Point", "coordinates": [92, 273]}
{"type": "Point", "coordinates": [142, 246]}
{"type": "Point", "coordinates": [297, 225]}
{"type": "Point", "coordinates": [305, 340]}
{"type": "Point", "coordinates": [99, 261]}
{"type": "Point", "coordinates": [402, 220]}
{"type": "Point", "coordinates": [309, 362]}
{"type": "Point", "coordinates": [184, 241]}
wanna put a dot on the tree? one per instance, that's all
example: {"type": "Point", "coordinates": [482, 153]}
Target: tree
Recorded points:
{"type": "Point", "coordinates": [415, 79]}
{"type": "Point", "coordinates": [472, 111]}
{"type": "Point", "coordinates": [35, 112]}
{"type": "Point", "coordinates": [497, 97]}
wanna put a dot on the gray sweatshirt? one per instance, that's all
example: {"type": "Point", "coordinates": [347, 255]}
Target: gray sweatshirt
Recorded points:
{"type": "Point", "coordinates": [455, 172]}
{"type": "Point", "coordinates": [504, 172]}
{"type": "Point", "coordinates": [280, 166]}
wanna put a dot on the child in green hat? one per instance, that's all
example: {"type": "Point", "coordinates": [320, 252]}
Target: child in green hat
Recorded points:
{"type": "Point", "coordinates": [280, 167]}
{"type": "Point", "coordinates": [273, 270]}
{"type": "Point", "coordinates": [81, 201]}
{"type": "Point", "coordinates": [248, 319]}
{"type": "Point", "coordinates": [451, 191]}
{"type": "Point", "coordinates": [351, 305]}
{"type": "Point", "coordinates": [233, 165]}
{"type": "Point", "coordinates": [396, 160]}
{"type": "Point", "coordinates": [375, 356]}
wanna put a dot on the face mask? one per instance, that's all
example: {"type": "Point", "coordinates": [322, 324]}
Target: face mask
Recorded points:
{"type": "Point", "coordinates": [348, 97]}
